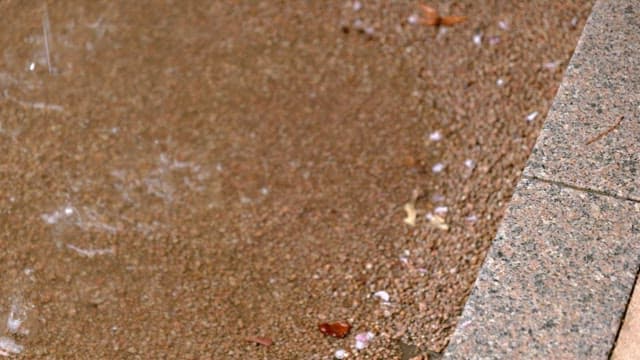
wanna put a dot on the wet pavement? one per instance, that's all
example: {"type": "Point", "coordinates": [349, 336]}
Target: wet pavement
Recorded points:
{"type": "Point", "coordinates": [177, 177]}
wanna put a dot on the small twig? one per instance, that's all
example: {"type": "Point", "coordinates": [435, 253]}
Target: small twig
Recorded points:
{"type": "Point", "coordinates": [604, 133]}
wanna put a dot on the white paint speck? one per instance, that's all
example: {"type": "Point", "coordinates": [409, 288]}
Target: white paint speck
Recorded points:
{"type": "Point", "coordinates": [503, 25]}
{"type": "Point", "coordinates": [532, 116]}
{"type": "Point", "coordinates": [264, 191]}
{"type": "Point", "coordinates": [68, 210]}
{"type": "Point", "coordinates": [441, 210]}
{"type": "Point", "coordinates": [382, 295]}
{"type": "Point", "coordinates": [413, 19]}
{"type": "Point", "coordinates": [471, 218]}
{"type": "Point", "coordinates": [500, 82]}
{"type": "Point", "coordinates": [470, 164]}
{"type": "Point", "coordinates": [363, 339]}
{"type": "Point", "coordinates": [551, 65]}
{"type": "Point", "coordinates": [32, 66]}
{"type": "Point", "coordinates": [340, 354]}
{"type": "Point", "coordinates": [574, 22]}
{"type": "Point", "coordinates": [435, 136]}
{"type": "Point", "coordinates": [477, 39]}
{"type": "Point", "coordinates": [438, 167]}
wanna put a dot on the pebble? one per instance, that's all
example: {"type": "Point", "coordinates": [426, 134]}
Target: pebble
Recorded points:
{"type": "Point", "coordinates": [477, 39]}
{"type": "Point", "coordinates": [382, 295]}
{"type": "Point", "coordinates": [438, 167]}
{"type": "Point", "coordinates": [435, 136]}
{"type": "Point", "coordinates": [341, 354]}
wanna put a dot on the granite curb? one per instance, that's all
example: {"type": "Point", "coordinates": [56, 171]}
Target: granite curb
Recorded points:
{"type": "Point", "coordinates": [558, 277]}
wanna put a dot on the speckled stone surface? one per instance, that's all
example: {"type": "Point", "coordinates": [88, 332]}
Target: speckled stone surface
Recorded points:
{"type": "Point", "coordinates": [628, 343]}
{"type": "Point", "coordinates": [556, 281]}
{"type": "Point", "coordinates": [601, 83]}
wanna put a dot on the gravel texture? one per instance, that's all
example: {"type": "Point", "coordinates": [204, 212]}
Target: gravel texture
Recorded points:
{"type": "Point", "coordinates": [186, 180]}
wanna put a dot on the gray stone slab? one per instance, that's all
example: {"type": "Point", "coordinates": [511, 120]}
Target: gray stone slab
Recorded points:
{"type": "Point", "coordinates": [557, 279]}
{"type": "Point", "coordinates": [601, 83]}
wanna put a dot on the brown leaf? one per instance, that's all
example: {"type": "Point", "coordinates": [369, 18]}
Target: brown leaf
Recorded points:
{"type": "Point", "coordinates": [432, 18]}
{"type": "Point", "coordinates": [452, 20]}
{"type": "Point", "coordinates": [337, 329]}
{"type": "Point", "coordinates": [260, 340]}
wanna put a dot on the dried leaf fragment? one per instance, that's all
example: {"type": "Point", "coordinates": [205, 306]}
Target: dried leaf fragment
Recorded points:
{"type": "Point", "coordinates": [432, 18]}
{"type": "Point", "coordinates": [411, 214]}
{"type": "Point", "coordinates": [261, 340]}
{"type": "Point", "coordinates": [338, 329]}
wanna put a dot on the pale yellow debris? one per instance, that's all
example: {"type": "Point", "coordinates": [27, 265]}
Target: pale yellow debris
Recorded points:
{"type": "Point", "coordinates": [411, 214]}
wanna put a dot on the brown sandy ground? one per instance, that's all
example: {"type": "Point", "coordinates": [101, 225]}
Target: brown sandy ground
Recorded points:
{"type": "Point", "coordinates": [178, 175]}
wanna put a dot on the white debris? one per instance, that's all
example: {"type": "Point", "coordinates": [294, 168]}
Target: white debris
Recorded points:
{"type": "Point", "coordinates": [382, 295]}
{"type": "Point", "coordinates": [441, 210]}
{"type": "Point", "coordinates": [53, 217]}
{"type": "Point", "coordinates": [470, 164]}
{"type": "Point", "coordinates": [500, 82]}
{"type": "Point", "coordinates": [264, 191]}
{"type": "Point", "coordinates": [341, 354]}
{"type": "Point", "coordinates": [532, 116]}
{"type": "Point", "coordinates": [90, 252]}
{"type": "Point", "coordinates": [357, 5]}
{"type": "Point", "coordinates": [33, 105]}
{"type": "Point", "coordinates": [574, 22]}
{"type": "Point", "coordinates": [494, 40]}
{"type": "Point", "coordinates": [552, 65]}
{"type": "Point", "coordinates": [477, 39]}
{"type": "Point", "coordinates": [413, 19]}
{"type": "Point", "coordinates": [503, 25]}
{"type": "Point", "coordinates": [363, 339]}
{"type": "Point", "coordinates": [32, 66]}
{"type": "Point", "coordinates": [471, 218]}
{"type": "Point", "coordinates": [17, 316]}
{"type": "Point", "coordinates": [8, 346]}
{"type": "Point", "coordinates": [438, 167]}
{"type": "Point", "coordinates": [435, 136]}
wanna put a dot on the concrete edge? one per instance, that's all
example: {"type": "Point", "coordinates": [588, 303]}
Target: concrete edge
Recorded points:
{"type": "Point", "coordinates": [558, 277]}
